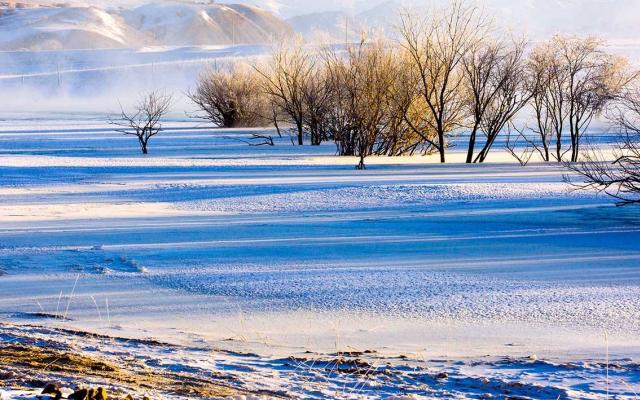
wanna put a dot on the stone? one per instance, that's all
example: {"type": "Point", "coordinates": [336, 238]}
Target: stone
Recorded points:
{"type": "Point", "coordinates": [101, 394]}
{"type": "Point", "coordinates": [51, 388]}
{"type": "Point", "coordinates": [54, 390]}
{"type": "Point", "coordinates": [80, 394]}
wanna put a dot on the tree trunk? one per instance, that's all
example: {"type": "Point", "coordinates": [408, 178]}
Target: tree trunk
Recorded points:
{"type": "Point", "coordinates": [472, 144]}
{"type": "Point", "coordinates": [300, 133]}
{"type": "Point", "coordinates": [575, 140]}
{"type": "Point", "coordinates": [546, 151]}
{"type": "Point", "coordinates": [361, 165]}
{"type": "Point", "coordinates": [441, 146]}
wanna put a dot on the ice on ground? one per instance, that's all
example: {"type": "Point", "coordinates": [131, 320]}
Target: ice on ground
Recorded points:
{"type": "Point", "coordinates": [282, 250]}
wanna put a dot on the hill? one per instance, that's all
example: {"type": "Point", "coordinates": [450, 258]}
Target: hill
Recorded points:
{"type": "Point", "coordinates": [170, 23]}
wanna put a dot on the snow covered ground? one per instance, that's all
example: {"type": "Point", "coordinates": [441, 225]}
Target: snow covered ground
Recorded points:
{"type": "Point", "coordinates": [274, 259]}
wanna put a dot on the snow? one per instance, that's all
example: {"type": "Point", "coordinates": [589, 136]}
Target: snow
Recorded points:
{"type": "Point", "coordinates": [259, 254]}
{"type": "Point", "coordinates": [314, 376]}
{"type": "Point", "coordinates": [64, 27]}
{"type": "Point", "coordinates": [164, 23]}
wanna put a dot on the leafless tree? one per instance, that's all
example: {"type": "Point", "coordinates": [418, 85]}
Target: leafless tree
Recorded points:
{"type": "Point", "coordinates": [437, 46]}
{"type": "Point", "coordinates": [145, 121]}
{"type": "Point", "coordinates": [595, 79]}
{"type": "Point", "coordinates": [285, 77]}
{"type": "Point", "coordinates": [360, 83]}
{"type": "Point", "coordinates": [619, 178]}
{"type": "Point", "coordinates": [316, 98]}
{"type": "Point", "coordinates": [408, 132]}
{"type": "Point", "coordinates": [495, 81]}
{"type": "Point", "coordinates": [573, 79]}
{"type": "Point", "coordinates": [545, 81]}
{"type": "Point", "coordinates": [230, 98]}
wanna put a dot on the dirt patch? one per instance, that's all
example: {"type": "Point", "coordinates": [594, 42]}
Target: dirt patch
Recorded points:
{"type": "Point", "coordinates": [51, 360]}
{"type": "Point", "coordinates": [31, 366]}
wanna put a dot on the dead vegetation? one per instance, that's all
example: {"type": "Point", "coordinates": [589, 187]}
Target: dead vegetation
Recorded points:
{"type": "Point", "coordinates": [26, 365]}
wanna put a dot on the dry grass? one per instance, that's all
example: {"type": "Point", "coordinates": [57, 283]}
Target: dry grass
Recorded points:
{"type": "Point", "coordinates": [50, 364]}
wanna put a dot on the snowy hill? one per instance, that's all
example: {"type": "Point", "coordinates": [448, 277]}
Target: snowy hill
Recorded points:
{"type": "Point", "coordinates": [50, 28]}
{"type": "Point", "coordinates": [176, 23]}
{"type": "Point", "coordinates": [159, 24]}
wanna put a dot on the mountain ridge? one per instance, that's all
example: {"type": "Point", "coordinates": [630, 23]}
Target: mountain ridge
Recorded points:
{"type": "Point", "coordinates": [173, 23]}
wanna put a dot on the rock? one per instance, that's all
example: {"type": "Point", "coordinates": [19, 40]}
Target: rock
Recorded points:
{"type": "Point", "coordinates": [52, 389]}
{"type": "Point", "coordinates": [146, 398]}
{"type": "Point", "coordinates": [533, 357]}
{"type": "Point", "coordinates": [80, 394]}
{"type": "Point", "coordinates": [129, 397]}
{"type": "Point", "coordinates": [442, 375]}
{"type": "Point", "coordinates": [4, 376]}
{"type": "Point", "coordinates": [101, 394]}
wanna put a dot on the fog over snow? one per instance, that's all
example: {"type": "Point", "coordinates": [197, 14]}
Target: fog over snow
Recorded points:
{"type": "Point", "coordinates": [147, 41]}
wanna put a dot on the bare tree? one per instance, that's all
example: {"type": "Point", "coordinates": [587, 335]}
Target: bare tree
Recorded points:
{"type": "Point", "coordinates": [360, 83]}
{"type": "Point", "coordinates": [594, 80]}
{"type": "Point", "coordinates": [495, 80]}
{"type": "Point", "coordinates": [545, 80]}
{"type": "Point", "coordinates": [230, 98]}
{"type": "Point", "coordinates": [285, 77]}
{"type": "Point", "coordinates": [145, 121]}
{"type": "Point", "coordinates": [619, 178]}
{"type": "Point", "coordinates": [316, 97]}
{"type": "Point", "coordinates": [437, 46]}
{"type": "Point", "coordinates": [573, 80]}
{"type": "Point", "coordinates": [408, 132]}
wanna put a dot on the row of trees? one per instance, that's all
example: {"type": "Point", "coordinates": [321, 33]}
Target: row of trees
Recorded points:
{"type": "Point", "coordinates": [448, 72]}
{"type": "Point", "coordinates": [619, 178]}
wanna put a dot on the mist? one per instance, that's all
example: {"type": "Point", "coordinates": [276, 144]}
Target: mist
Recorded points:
{"type": "Point", "coordinates": [101, 81]}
